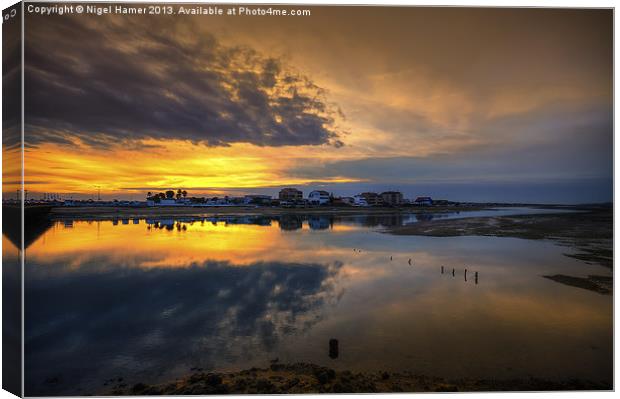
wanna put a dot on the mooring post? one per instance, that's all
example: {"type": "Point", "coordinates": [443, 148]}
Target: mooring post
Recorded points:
{"type": "Point", "coordinates": [333, 348]}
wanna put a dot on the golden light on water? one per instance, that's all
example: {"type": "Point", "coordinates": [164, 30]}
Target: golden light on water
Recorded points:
{"type": "Point", "coordinates": [157, 247]}
{"type": "Point", "coordinates": [182, 245]}
{"type": "Point", "coordinates": [82, 245]}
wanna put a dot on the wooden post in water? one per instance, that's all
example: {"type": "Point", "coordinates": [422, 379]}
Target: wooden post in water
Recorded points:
{"type": "Point", "coordinates": [333, 348]}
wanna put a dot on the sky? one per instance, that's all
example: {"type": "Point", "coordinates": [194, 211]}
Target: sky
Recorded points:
{"type": "Point", "coordinates": [510, 105]}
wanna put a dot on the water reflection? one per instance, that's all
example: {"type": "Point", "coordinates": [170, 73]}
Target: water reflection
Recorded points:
{"type": "Point", "coordinates": [149, 299]}
{"type": "Point", "coordinates": [291, 222]}
{"type": "Point", "coordinates": [142, 322]}
{"type": "Point", "coordinates": [36, 224]}
{"type": "Point", "coordinates": [424, 217]}
{"type": "Point", "coordinates": [464, 274]}
{"type": "Point", "coordinates": [11, 315]}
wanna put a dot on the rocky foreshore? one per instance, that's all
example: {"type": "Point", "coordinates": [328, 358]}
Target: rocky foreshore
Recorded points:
{"type": "Point", "coordinates": [310, 378]}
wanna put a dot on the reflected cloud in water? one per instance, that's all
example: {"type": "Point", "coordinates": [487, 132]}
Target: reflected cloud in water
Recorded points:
{"type": "Point", "coordinates": [102, 319]}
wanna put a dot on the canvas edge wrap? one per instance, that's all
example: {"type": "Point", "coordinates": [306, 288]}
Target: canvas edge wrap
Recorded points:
{"type": "Point", "coordinates": [13, 199]}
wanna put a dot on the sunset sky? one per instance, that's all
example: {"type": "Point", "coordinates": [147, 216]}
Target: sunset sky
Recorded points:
{"type": "Point", "coordinates": [462, 104]}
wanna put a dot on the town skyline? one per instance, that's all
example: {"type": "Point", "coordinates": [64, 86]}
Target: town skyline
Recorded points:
{"type": "Point", "coordinates": [305, 195]}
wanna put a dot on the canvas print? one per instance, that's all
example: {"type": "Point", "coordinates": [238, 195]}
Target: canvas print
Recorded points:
{"type": "Point", "coordinates": [276, 199]}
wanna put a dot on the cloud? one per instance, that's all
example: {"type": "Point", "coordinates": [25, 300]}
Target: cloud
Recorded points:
{"type": "Point", "coordinates": [559, 141]}
{"type": "Point", "coordinates": [11, 85]}
{"type": "Point", "coordinates": [107, 80]}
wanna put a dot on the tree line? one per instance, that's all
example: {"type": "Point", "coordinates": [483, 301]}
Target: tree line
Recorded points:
{"type": "Point", "coordinates": [170, 194]}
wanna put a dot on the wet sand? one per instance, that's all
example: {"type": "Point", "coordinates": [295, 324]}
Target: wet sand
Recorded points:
{"type": "Point", "coordinates": [588, 231]}
{"type": "Point", "coordinates": [601, 284]}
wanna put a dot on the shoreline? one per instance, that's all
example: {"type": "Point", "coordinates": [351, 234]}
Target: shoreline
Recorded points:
{"type": "Point", "coordinates": [304, 378]}
{"type": "Point", "coordinates": [128, 212]}
{"type": "Point", "coordinates": [588, 232]}
{"type": "Point", "coordinates": [107, 212]}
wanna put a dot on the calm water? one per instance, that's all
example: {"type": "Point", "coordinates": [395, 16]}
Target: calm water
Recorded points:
{"type": "Point", "coordinates": [148, 300]}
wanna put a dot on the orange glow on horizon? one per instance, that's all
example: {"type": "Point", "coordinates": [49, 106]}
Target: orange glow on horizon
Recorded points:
{"type": "Point", "coordinates": [152, 165]}
{"type": "Point", "coordinates": [11, 171]}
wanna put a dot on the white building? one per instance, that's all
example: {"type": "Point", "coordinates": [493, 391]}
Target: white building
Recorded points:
{"type": "Point", "coordinates": [218, 201]}
{"type": "Point", "coordinates": [423, 201]}
{"type": "Point", "coordinates": [318, 197]}
{"type": "Point", "coordinates": [167, 202]}
{"type": "Point", "coordinates": [360, 200]}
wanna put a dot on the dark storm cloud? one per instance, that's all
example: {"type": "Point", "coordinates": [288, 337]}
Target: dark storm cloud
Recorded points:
{"type": "Point", "coordinates": [105, 80]}
{"type": "Point", "coordinates": [11, 84]}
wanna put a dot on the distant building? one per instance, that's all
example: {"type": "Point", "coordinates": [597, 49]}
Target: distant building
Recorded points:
{"type": "Point", "coordinates": [372, 199]}
{"type": "Point", "coordinates": [392, 197]}
{"type": "Point", "coordinates": [423, 201]}
{"type": "Point", "coordinates": [359, 200]}
{"type": "Point", "coordinates": [167, 202]}
{"type": "Point", "coordinates": [339, 201]}
{"type": "Point", "coordinates": [257, 199]}
{"type": "Point", "coordinates": [241, 200]}
{"type": "Point", "coordinates": [215, 201]}
{"type": "Point", "coordinates": [318, 197]}
{"type": "Point", "coordinates": [290, 194]}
